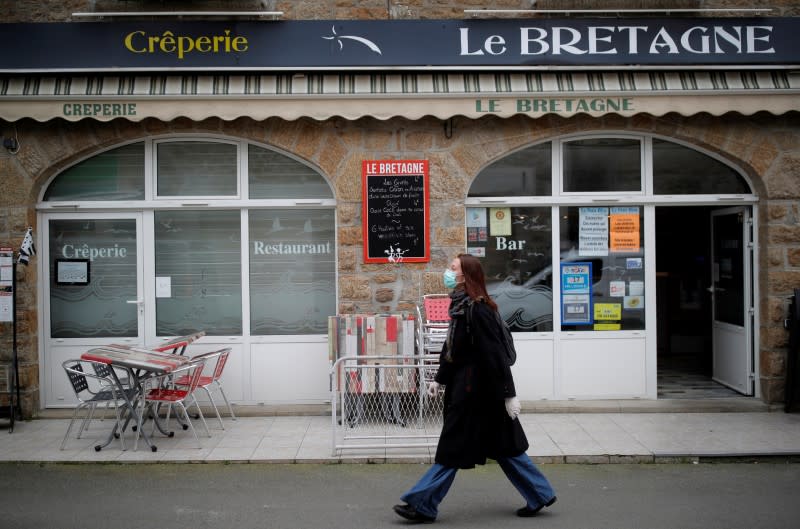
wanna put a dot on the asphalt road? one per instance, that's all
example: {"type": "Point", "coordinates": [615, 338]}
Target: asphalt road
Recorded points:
{"type": "Point", "coordinates": [350, 496]}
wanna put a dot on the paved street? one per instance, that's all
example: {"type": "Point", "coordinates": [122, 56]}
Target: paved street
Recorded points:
{"type": "Point", "coordinates": [354, 496]}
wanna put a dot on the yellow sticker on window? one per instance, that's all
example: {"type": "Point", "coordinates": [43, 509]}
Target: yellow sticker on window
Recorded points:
{"type": "Point", "coordinates": [608, 311]}
{"type": "Point", "coordinates": [607, 327]}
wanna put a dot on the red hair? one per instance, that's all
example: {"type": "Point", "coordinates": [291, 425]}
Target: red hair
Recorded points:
{"type": "Point", "coordinates": [474, 279]}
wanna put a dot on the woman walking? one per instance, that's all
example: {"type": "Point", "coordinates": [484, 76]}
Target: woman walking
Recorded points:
{"type": "Point", "coordinates": [480, 403]}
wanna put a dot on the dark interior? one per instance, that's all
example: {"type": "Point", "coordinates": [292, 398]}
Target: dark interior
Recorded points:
{"type": "Point", "coordinates": [683, 275]}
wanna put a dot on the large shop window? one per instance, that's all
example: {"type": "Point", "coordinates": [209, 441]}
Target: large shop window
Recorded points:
{"type": "Point", "coordinates": [198, 283]}
{"type": "Point", "coordinates": [514, 245]}
{"type": "Point", "coordinates": [198, 254]}
{"type": "Point", "coordinates": [292, 271]}
{"type": "Point", "coordinates": [92, 277]}
{"type": "Point", "coordinates": [602, 268]}
{"type": "Point", "coordinates": [117, 174]}
{"type": "Point", "coordinates": [595, 188]}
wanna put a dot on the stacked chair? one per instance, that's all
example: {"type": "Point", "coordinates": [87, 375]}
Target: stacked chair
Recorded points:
{"type": "Point", "coordinates": [434, 319]}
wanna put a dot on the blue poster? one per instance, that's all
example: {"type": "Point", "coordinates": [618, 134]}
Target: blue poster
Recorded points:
{"type": "Point", "coordinates": [576, 294]}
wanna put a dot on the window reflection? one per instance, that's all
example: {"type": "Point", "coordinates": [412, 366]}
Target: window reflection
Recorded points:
{"type": "Point", "coordinates": [605, 288]}
{"type": "Point", "coordinates": [514, 246]}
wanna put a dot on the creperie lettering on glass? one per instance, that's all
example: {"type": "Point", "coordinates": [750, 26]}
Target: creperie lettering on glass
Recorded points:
{"type": "Point", "coordinates": [181, 45]}
{"type": "Point", "coordinates": [624, 40]}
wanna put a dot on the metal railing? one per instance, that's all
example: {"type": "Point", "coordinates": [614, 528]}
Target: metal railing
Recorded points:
{"type": "Point", "coordinates": [381, 402]}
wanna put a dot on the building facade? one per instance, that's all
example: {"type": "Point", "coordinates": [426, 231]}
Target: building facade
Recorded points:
{"type": "Point", "coordinates": [632, 192]}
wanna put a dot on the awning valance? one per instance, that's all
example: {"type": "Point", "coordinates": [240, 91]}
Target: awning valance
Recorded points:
{"type": "Point", "coordinates": [388, 95]}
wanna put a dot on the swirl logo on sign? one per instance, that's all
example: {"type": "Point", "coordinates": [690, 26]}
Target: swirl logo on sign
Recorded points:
{"type": "Point", "coordinates": [339, 38]}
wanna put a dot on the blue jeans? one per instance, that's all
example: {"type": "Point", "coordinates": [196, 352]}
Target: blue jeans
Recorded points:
{"type": "Point", "coordinates": [432, 487]}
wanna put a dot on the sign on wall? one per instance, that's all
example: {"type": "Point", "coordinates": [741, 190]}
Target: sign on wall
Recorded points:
{"type": "Point", "coordinates": [6, 284]}
{"type": "Point", "coordinates": [411, 44]}
{"type": "Point", "coordinates": [395, 211]}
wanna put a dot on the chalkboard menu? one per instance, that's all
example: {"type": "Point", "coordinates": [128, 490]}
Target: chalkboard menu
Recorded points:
{"type": "Point", "coordinates": [395, 214]}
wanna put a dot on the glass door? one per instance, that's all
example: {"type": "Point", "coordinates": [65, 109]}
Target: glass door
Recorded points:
{"type": "Point", "coordinates": [93, 289]}
{"type": "Point", "coordinates": [730, 298]}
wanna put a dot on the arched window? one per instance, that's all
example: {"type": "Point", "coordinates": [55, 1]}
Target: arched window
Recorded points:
{"type": "Point", "coordinates": [117, 174]}
{"type": "Point", "coordinates": [680, 170]}
{"type": "Point", "coordinates": [597, 188]}
{"type": "Point", "coordinates": [240, 196]}
{"type": "Point", "coordinates": [275, 175]}
{"type": "Point", "coordinates": [524, 173]}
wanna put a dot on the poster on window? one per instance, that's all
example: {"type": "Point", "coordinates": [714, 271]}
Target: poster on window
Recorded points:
{"type": "Point", "coordinates": [500, 222]}
{"type": "Point", "coordinates": [593, 232]}
{"type": "Point", "coordinates": [395, 211]}
{"type": "Point", "coordinates": [625, 230]}
{"type": "Point", "coordinates": [576, 294]}
{"type": "Point", "coordinates": [477, 227]}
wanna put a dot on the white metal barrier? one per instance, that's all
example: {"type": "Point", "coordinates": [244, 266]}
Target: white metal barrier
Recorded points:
{"type": "Point", "coordinates": [382, 402]}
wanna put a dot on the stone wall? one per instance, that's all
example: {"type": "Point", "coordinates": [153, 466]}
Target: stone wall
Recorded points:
{"type": "Point", "coordinates": [766, 147]}
{"type": "Point", "coordinates": [62, 10]}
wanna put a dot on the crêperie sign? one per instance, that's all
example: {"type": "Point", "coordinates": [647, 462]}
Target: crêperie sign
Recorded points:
{"type": "Point", "coordinates": [395, 211]}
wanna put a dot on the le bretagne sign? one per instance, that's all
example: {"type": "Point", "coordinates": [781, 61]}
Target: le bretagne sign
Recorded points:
{"type": "Point", "coordinates": [404, 44]}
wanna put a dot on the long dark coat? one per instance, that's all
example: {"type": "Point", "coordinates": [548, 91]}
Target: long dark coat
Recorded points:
{"type": "Point", "coordinates": [477, 381]}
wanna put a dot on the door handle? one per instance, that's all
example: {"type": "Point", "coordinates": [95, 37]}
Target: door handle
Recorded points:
{"type": "Point", "coordinates": [139, 305]}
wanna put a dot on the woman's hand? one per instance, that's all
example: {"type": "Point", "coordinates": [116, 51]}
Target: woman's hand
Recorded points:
{"type": "Point", "coordinates": [513, 407]}
{"type": "Point", "coordinates": [433, 389]}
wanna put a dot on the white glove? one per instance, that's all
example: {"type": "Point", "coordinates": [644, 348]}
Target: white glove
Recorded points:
{"type": "Point", "coordinates": [433, 389]}
{"type": "Point", "coordinates": [513, 407]}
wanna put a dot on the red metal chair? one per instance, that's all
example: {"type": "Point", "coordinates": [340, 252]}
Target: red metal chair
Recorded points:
{"type": "Point", "coordinates": [434, 319]}
{"type": "Point", "coordinates": [163, 390]}
{"type": "Point", "coordinates": [221, 357]}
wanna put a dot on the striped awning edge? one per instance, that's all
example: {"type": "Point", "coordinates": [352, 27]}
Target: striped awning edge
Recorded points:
{"type": "Point", "coordinates": [387, 95]}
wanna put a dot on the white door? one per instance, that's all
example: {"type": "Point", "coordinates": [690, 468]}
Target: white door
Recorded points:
{"type": "Point", "coordinates": [93, 294]}
{"type": "Point", "coordinates": [731, 297]}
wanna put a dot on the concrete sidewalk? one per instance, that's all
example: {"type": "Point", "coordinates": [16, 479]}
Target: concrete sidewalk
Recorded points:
{"type": "Point", "coordinates": [591, 433]}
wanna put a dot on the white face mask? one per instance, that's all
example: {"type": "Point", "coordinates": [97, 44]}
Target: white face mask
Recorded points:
{"type": "Point", "coordinates": [449, 278]}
